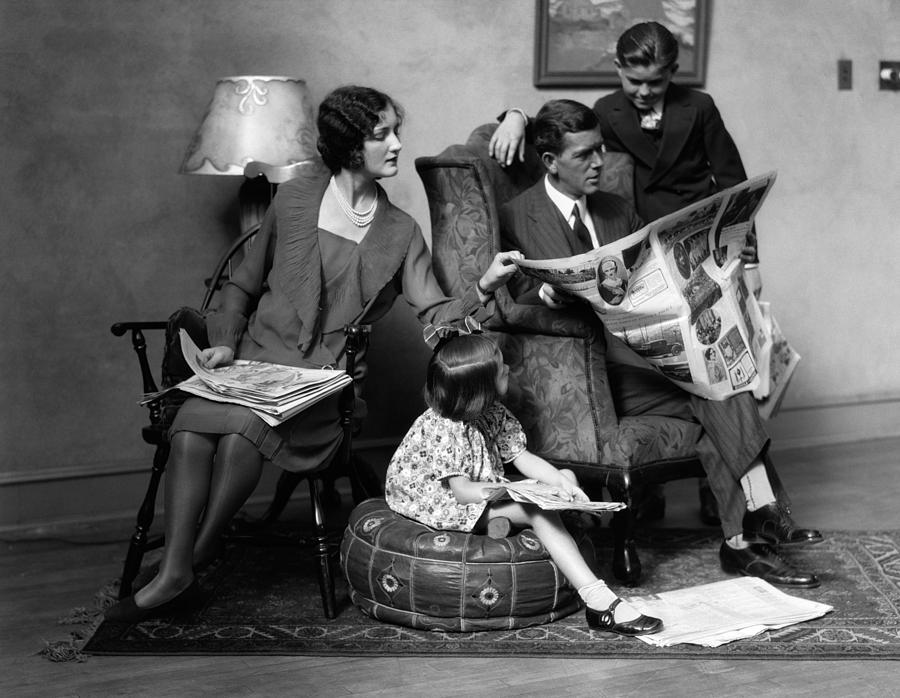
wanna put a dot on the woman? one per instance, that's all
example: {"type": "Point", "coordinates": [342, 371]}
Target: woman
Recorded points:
{"type": "Point", "coordinates": [332, 250]}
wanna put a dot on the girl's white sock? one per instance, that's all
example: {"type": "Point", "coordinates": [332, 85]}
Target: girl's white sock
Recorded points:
{"type": "Point", "coordinates": [598, 596]}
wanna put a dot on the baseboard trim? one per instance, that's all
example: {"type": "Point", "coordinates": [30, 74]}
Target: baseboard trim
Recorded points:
{"type": "Point", "coordinates": [70, 496]}
{"type": "Point", "coordinates": [837, 423]}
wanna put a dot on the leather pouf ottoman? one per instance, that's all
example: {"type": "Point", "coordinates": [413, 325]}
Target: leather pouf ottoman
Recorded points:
{"type": "Point", "coordinates": [404, 572]}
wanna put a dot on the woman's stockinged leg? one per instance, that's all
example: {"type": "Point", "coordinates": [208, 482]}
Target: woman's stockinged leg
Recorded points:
{"type": "Point", "coordinates": [236, 472]}
{"type": "Point", "coordinates": [187, 481]}
{"type": "Point", "coordinates": [551, 531]}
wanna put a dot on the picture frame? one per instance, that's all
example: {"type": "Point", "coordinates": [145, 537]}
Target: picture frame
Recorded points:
{"type": "Point", "coordinates": [575, 40]}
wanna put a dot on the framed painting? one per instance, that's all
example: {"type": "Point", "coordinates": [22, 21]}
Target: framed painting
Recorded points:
{"type": "Point", "coordinates": [575, 40]}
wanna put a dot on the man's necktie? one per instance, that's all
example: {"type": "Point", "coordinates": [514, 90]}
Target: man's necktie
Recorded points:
{"type": "Point", "coordinates": [581, 230]}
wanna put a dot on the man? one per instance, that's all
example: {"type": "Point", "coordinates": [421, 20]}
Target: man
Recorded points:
{"type": "Point", "coordinates": [564, 214]}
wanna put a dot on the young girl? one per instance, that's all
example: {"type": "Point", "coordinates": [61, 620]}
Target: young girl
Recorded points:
{"type": "Point", "coordinates": [442, 471]}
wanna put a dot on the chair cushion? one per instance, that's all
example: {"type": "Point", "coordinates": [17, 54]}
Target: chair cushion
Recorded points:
{"type": "Point", "coordinates": [404, 572]}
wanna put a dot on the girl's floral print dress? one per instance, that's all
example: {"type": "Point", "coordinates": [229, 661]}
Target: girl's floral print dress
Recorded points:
{"type": "Point", "coordinates": [435, 449]}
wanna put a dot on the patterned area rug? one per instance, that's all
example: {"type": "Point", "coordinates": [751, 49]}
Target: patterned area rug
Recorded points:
{"type": "Point", "coordinates": [264, 600]}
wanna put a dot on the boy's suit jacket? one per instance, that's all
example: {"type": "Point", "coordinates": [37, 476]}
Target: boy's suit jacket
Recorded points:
{"type": "Point", "coordinates": [696, 157]}
{"type": "Point", "coordinates": [532, 224]}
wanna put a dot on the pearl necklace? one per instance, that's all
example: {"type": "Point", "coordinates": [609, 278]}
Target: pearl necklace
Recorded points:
{"type": "Point", "coordinates": [359, 218]}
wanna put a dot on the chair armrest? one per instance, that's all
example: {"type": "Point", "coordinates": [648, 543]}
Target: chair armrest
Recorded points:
{"type": "Point", "coordinates": [539, 319]}
{"type": "Point", "coordinates": [139, 344]}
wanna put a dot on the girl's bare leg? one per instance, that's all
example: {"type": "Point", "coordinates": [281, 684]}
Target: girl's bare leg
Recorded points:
{"type": "Point", "coordinates": [551, 531]}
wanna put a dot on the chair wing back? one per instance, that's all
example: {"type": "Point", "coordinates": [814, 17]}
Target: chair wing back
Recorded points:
{"type": "Point", "coordinates": [558, 383]}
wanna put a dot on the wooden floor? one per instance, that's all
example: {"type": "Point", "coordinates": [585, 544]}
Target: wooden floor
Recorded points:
{"type": "Point", "coordinates": [851, 487]}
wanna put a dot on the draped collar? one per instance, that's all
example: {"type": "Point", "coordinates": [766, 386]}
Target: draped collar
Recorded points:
{"type": "Point", "coordinates": [297, 265]}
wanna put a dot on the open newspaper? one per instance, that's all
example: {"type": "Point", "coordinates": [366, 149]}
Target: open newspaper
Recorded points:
{"type": "Point", "coordinates": [547, 497]}
{"type": "Point", "coordinates": [714, 614]}
{"type": "Point", "coordinates": [274, 392]}
{"type": "Point", "coordinates": [674, 292]}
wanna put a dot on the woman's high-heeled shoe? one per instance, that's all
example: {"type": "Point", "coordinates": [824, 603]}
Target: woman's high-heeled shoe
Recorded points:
{"type": "Point", "coordinates": [127, 611]}
{"type": "Point", "coordinates": [605, 620]}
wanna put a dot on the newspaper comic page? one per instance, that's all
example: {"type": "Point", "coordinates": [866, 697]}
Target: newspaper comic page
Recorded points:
{"type": "Point", "coordinates": [675, 293]}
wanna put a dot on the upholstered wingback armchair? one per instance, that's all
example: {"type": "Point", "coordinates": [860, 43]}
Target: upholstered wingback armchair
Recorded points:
{"type": "Point", "coordinates": [559, 387]}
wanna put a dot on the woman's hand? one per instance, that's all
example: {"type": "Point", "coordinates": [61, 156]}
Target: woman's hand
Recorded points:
{"type": "Point", "coordinates": [216, 356]}
{"type": "Point", "coordinates": [508, 140]}
{"type": "Point", "coordinates": [502, 269]}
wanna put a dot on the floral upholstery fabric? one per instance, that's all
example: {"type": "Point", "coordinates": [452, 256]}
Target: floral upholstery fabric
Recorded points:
{"type": "Point", "coordinates": [558, 383]}
{"type": "Point", "coordinates": [403, 572]}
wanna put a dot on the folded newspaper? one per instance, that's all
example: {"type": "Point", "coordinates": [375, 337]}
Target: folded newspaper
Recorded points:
{"type": "Point", "coordinates": [715, 614]}
{"type": "Point", "coordinates": [273, 391]}
{"type": "Point", "coordinates": [674, 292]}
{"type": "Point", "coordinates": [547, 497]}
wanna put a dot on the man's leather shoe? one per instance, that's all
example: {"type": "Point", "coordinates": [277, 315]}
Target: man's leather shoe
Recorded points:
{"type": "Point", "coordinates": [709, 507]}
{"type": "Point", "coordinates": [762, 561]}
{"type": "Point", "coordinates": [773, 524]}
{"type": "Point", "coordinates": [605, 620]}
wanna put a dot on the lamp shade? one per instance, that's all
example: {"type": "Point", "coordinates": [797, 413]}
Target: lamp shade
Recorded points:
{"type": "Point", "coordinates": [261, 119]}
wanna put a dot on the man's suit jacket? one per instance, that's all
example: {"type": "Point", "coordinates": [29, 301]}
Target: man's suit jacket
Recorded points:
{"type": "Point", "coordinates": [532, 224]}
{"type": "Point", "coordinates": [696, 156]}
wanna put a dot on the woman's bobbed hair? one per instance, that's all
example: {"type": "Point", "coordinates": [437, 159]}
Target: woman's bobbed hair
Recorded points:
{"type": "Point", "coordinates": [461, 382]}
{"type": "Point", "coordinates": [347, 117]}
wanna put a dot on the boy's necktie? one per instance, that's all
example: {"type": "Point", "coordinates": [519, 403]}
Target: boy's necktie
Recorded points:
{"type": "Point", "coordinates": [649, 120]}
{"type": "Point", "coordinates": [581, 230]}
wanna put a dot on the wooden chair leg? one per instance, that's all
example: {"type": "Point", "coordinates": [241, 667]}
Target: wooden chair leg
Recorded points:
{"type": "Point", "coordinates": [138, 545]}
{"type": "Point", "coordinates": [626, 563]}
{"type": "Point", "coordinates": [326, 579]}
{"type": "Point", "coordinates": [287, 483]}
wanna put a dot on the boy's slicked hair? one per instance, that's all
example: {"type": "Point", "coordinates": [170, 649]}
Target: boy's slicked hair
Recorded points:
{"type": "Point", "coordinates": [645, 44]}
{"type": "Point", "coordinates": [461, 382]}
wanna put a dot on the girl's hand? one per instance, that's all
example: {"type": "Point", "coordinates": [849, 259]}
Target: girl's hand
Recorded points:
{"type": "Point", "coordinates": [568, 483]}
{"type": "Point", "coordinates": [502, 269]}
{"type": "Point", "coordinates": [508, 140]}
{"type": "Point", "coordinates": [216, 356]}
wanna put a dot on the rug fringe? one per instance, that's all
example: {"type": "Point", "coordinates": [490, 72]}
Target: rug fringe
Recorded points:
{"type": "Point", "coordinates": [70, 650]}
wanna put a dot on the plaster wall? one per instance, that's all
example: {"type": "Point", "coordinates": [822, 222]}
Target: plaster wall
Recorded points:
{"type": "Point", "coordinates": [100, 100]}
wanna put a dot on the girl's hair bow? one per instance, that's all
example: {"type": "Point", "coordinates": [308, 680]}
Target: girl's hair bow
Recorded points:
{"type": "Point", "coordinates": [436, 336]}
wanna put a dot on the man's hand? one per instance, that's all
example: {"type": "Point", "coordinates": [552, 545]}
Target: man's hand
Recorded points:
{"type": "Point", "coordinates": [553, 297]}
{"type": "Point", "coordinates": [508, 140]}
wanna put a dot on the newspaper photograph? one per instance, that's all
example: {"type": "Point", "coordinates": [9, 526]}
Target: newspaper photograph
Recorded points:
{"type": "Point", "coordinates": [674, 292]}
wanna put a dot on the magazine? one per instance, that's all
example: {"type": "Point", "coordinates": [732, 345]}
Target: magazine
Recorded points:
{"type": "Point", "coordinates": [547, 497]}
{"type": "Point", "coordinates": [273, 391]}
{"type": "Point", "coordinates": [674, 291]}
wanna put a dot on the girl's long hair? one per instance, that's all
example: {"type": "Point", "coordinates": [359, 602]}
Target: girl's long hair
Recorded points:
{"type": "Point", "coordinates": [461, 382]}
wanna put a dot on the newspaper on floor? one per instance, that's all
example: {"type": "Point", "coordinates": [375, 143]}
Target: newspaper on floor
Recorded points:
{"type": "Point", "coordinates": [675, 292]}
{"type": "Point", "coordinates": [273, 391]}
{"type": "Point", "coordinates": [715, 614]}
{"type": "Point", "coordinates": [547, 497]}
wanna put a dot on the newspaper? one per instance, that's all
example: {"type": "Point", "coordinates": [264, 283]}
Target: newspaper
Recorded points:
{"type": "Point", "coordinates": [674, 292]}
{"type": "Point", "coordinates": [547, 497]}
{"type": "Point", "coordinates": [273, 391]}
{"type": "Point", "coordinates": [715, 614]}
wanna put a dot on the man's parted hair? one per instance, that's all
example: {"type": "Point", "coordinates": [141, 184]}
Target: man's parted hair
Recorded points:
{"type": "Point", "coordinates": [557, 118]}
{"type": "Point", "coordinates": [646, 44]}
{"type": "Point", "coordinates": [461, 381]}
